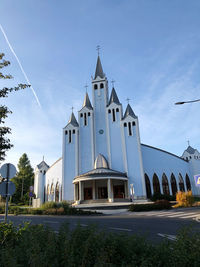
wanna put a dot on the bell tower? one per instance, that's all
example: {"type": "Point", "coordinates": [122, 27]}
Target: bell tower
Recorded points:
{"type": "Point", "coordinates": [100, 101]}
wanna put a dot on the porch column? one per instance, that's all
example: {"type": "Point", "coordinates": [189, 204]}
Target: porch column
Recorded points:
{"type": "Point", "coordinates": [93, 190]}
{"type": "Point", "coordinates": [110, 198]}
{"type": "Point", "coordinates": [74, 192]}
{"type": "Point", "coordinates": [125, 189]}
{"type": "Point", "coordinates": [80, 191]}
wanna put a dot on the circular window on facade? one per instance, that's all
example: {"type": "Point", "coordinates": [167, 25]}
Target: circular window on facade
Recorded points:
{"type": "Point", "coordinates": [101, 131]}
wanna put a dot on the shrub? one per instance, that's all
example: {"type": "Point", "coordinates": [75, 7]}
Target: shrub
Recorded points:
{"type": "Point", "coordinates": [158, 196]}
{"type": "Point", "coordinates": [184, 199]}
{"type": "Point", "coordinates": [37, 245]}
{"type": "Point", "coordinates": [158, 205]}
{"type": "Point", "coordinates": [50, 205]}
{"type": "Point", "coordinates": [2, 207]}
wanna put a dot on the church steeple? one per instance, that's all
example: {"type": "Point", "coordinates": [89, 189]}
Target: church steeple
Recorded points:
{"type": "Point", "coordinates": [87, 102]}
{"type": "Point", "coordinates": [73, 120]}
{"type": "Point", "coordinates": [130, 112]}
{"type": "Point", "coordinates": [99, 69]}
{"type": "Point", "coordinates": [113, 97]}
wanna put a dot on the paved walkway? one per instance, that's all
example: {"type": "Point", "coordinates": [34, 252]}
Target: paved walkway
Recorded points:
{"type": "Point", "coordinates": [111, 205]}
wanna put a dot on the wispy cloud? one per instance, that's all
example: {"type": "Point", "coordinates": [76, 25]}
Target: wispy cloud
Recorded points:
{"type": "Point", "coordinates": [20, 65]}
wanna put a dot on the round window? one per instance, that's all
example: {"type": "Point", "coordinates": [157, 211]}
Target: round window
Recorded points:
{"type": "Point", "coordinates": [101, 131]}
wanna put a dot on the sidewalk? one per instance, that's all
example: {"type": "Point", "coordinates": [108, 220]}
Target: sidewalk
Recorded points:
{"type": "Point", "coordinates": [109, 206]}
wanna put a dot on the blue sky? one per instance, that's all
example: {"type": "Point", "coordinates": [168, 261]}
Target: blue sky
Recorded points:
{"type": "Point", "coordinates": [150, 48]}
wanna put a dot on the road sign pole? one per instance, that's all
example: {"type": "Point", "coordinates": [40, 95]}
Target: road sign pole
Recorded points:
{"type": "Point", "coordinates": [6, 207]}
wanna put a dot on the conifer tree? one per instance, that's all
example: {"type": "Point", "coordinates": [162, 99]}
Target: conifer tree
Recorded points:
{"type": "Point", "coordinates": [23, 179]}
{"type": "Point", "coordinates": [5, 144]}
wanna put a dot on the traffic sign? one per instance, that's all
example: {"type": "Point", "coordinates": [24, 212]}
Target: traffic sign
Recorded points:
{"type": "Point", "coordinates": [8, 170]}
{"type": "Point", "coordinates": [197, 179]}
{"type": "Point", "coordinates": [11, 188]}
{"type": "Point", "coordinates": [31, 194]}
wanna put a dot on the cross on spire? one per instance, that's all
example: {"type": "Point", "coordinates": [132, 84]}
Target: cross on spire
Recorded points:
{"type": "Point", "coordinates": [113, 82]}
{"type": "Point", "coordinates": [98, 48]}
{"type": "Point", "coordinates": [43, 158]}
{"type": "Point", "coordinates": [128, 99]}
{"type": "Point", "coordinates": [72, 108]}
{"type": "Point", "coordinates": [86, 86]}
{"type": "Point", "coordinates": [188, 143]}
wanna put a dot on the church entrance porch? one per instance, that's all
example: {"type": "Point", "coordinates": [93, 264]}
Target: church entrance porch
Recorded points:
{"type": "Point", "coordinates": [101, 190]}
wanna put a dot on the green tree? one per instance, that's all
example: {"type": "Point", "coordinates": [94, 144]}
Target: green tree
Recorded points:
{"type": "Point", "coordinates": [23, 180]}
{"type": "Point", "coordinates": [5, 144]}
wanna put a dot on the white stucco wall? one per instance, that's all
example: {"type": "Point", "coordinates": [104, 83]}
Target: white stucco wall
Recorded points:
{"type": "Point", "coordinates": [115, 138]}
{"type": "Point", "coordinates": [54, 176]}
{"type": "Point", "coordinates": [70, 162]}
{"type": "Point", "coordinates": [100, 100]}
{"type": "Point", "coordinates": [86, 160]}
{"type": "Point", "coordinates": [134, 158]}
{"type": "Point", "coordinates": [159, 162]}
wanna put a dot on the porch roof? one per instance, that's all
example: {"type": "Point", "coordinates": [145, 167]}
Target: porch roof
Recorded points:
{"type": "Point", "coordinates": [101, 173]}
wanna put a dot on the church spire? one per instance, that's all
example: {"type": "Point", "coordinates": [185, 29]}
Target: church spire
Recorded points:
{"type": "Point", "coordinates": [73, 120]}
{"type": "Point", "coordinates": [99, 69]}
{"type": "Point", "coordinates": [130, 112]}
{"type": "Point", "coordinates": [113, 97]}
{"type": "Point", "coordinates": [87, 102]}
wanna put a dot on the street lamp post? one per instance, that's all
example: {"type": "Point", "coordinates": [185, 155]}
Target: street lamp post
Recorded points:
{"type": "Point", "coordinates": [185, 102]}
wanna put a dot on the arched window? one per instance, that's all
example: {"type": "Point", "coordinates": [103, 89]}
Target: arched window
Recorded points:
{"type": "Point", "coordinates": [57, 193]}
{"type": "Point", "coordinates": [52, 190]}
{"type": "Point", "coordinates": [173, 184]}
{"type": "Point", "coordinates": [95, 86]}
{"type": "Point", "coordinates": [101, 85]}
{"type": "Point", "coordinates": [148, 186]}
{"type": "Point", "coordinates": [44, 194]}
{"type": "Point", "coordinates": [109, 111]}
{"type": "Point", "coordinates": [181, 183]}
{"type": "Point", "coordinates": [113, 114]}
{"type": "Point", "coordinates": [165, 184]}
{"type": "Point", "coordinates": [129, 129]}
{"type": "Point", "coordinates": [156, 184]}
{"type": "Point", "coordinates": [48, 190]}
{"type": "Point", "coordinates": [117, 110]}
{"type": "Point", "coordinates": [125, 124]}
{"type": "Point", "coordinates": [61, 193]}
{"type": "Point", "coordinates": [70, 136]}
{"type": "Point", "coordinates": [85, 119]}
{"type": "Point", "coordinates": [187, 181]}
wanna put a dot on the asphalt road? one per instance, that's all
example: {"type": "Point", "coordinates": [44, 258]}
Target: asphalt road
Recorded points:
{"type": "Point", "coordinates": [153, 225]}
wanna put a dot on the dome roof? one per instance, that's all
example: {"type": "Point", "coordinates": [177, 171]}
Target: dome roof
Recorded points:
{"type": "Point", "coordinates": [100, 162]}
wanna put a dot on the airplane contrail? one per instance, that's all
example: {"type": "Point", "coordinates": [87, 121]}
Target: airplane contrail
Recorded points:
{"type": "Point", "coordinates": [20, 65]}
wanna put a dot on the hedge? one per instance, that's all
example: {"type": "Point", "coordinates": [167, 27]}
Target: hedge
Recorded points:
{"type": "Point", "coordinates": [158, 205]}
{"type": "Point", "coordinates": [36, 245]}
{"type": "Point", "coordinates": [49, 208]}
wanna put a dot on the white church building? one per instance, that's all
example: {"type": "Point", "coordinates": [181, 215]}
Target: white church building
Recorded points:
{"type": "Point", "coordinates": [103, 159]}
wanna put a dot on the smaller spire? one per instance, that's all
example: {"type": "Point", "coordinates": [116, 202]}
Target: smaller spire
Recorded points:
{"type": "Point", "coordinates": [87, 102]}
{"type": "Point", "coordinates": [99, 69]}
{"type": "Point", "coordinates": [129, 112]}
{"type": "Point", "coordinates": [73, 120]}
{"type": "Point", "coordinates": [113, 97]}
{"type": "Point", "coordinates": [190, 150]}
